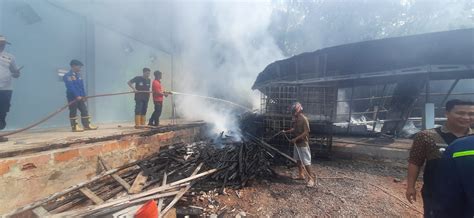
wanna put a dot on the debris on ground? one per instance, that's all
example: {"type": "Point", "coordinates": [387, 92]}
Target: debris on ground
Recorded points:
{"type": "Point", "coordinates": [236, 177]}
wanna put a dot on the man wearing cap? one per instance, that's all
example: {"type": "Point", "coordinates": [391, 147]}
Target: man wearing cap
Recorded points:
{"type": "Point", "coordinates": [75, 93]}
{"type": "Point", "coordinates": [8, 70]}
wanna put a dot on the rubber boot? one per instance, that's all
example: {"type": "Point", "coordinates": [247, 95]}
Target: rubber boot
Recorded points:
{"type": "Point", "coordinates": [86, 122]}
{"type": "Point", "coordinates": [3, 139]}
{"type": "Point", "coordinates": [75, 126]}
{"type": "Point", "coordinates": [138, 121]}
{"type": "Point", "coordinates": [143, 120]}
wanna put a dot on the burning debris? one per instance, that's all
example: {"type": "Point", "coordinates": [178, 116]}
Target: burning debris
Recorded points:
{"type": "Point", "coordinates": [182, 173]}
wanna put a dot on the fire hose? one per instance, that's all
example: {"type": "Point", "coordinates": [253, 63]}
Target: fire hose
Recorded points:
{"type": "Point", "coordinates": [61, 109]}
{"type": "Point", "coordinates": [310, 182]}
{"type": "Point", "coordinates": [105, 95]}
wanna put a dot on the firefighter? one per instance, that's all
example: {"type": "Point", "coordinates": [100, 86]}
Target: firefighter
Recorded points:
{"type": "Point", "coordinates": [75, 93]}
{"type": "Point", "coordinates": [426, 151]}
{"type": "Point", "coordinates": [142, 96]}
{"type": "Point", "coordinates": [454, 190]}
{"type": "Point", "coordinates": [8, 70]}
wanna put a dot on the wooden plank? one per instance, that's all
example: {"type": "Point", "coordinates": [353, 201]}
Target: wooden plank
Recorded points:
{"type": "Point", "coordinates": [71, 189]}
{"type": "Point", "coordinates": [95, 178]}
{"type": "Point", "coordinates": [127, 212]}
{"type": "Point", "coordinates": [180, 194]}
{"type": "Point", "coordinates": [171, 213]}
{"type": "Point", "coordinates": [122, 182]}
{"type": "Point", "coordinates": [91, 195]}
{"type": "Point", "coordinates": [138, 184]}
{"type": "Point", "coordinates": [261, 142]}
{"type": "Point", "coordinates": [116, 177]}
{"type": "Point", "coordinates": [90, 210]}
{"type": "Point", "coordinates": [160, 201]}
{"type": "Point", "coordinates": [41, 212]}
{"type": "Point", "coordinates": [105, 211]}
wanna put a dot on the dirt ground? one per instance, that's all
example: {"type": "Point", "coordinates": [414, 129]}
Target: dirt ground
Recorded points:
{"type": "Point", "coordinates": [344, 188]}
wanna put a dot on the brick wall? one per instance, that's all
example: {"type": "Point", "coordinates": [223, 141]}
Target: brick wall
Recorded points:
{"type": "Point", "coordinates": [24, 179]}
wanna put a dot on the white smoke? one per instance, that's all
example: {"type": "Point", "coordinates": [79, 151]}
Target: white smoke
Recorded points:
{"type": "Point", "coordinates": [221, 46]}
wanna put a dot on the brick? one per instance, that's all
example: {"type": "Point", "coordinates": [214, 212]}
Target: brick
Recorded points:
{"type": "Point", "coordinates": [165, 136]}
{"type": "Point", "coordinates": [148, 140]}
{"type": "Point", "coordinates": [66, 155]}
{"type": "Point", "coordinates": [124, 144]}
{"type": "Point", "coordinates": [37, 160]}
{"type": "Point", "coordinates": [140, 141]}
{"type": "Point", "coordinates": [92, 151]}
{"type": "Point", "coordinates": [110, 147]}
{"type": "Point", "coordinates": [5, 166]}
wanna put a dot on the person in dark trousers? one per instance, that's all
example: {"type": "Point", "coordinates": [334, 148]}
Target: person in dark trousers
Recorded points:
{"type": "Point", "coordinates": [75, 93]}
{"type": "Point", "coordinates": [426, 150]}
{"type": "Point", "coordinates": [454, 187]}
{"type": "Point", "coordinates": [8, 71]}
{"type": "Point", "coordinates": [158, 94]}
{"type": "Point", "coordinates": [142, 96]}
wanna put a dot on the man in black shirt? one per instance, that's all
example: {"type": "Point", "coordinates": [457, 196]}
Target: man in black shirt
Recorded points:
{"type": "Point", "coordinates": [142, 95]}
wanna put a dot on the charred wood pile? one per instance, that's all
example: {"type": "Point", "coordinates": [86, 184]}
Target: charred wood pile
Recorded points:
{"type": "Point", "coordinates": [180, 172]}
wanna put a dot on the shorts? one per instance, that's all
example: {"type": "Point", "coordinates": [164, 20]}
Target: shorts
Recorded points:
{"type": "Point", "coordinates": [304, 153]}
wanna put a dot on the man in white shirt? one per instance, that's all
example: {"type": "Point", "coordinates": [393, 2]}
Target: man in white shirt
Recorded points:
{"type": "Point", "coordinates": [8, 71]}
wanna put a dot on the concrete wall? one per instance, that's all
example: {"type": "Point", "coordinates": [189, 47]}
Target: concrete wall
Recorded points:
{"type": "Point", "coordinates": [115, 65]}
{"type": "Point", "coordinates": [51, 42]}
{"type": "Point", "coordinates": [42, 47]}
{"type": "Point", "coordinates": [28, 178]}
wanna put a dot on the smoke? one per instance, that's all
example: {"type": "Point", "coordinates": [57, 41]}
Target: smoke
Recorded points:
{"type": "Point", "coordinates": [218, 47]}
{"type": "Point", "coordinates": [303, 26]}
{"type": "Point", "coordinates": [221, 46]}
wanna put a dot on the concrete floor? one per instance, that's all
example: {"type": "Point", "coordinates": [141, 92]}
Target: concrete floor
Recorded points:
{"type": "Point", "coordinates": [378, 148]}
{"type": "Point", "coordinates": [45, 139]}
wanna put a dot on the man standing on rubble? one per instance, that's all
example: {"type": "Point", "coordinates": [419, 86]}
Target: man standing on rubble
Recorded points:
{"type": "Point", "coordinates": [301, 150]}
{"type": "Point", "coordinates": [75, 93]}
{"type": "Point", "coordinates": [142, 96]}
{"type": "Point", "coordinates": [8, 70]}
{"type": "Point", "coordinates": [427, 147]}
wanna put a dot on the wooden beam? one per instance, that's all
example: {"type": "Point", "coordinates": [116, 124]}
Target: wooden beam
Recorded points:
{"type": "Point", "coordinates": [261, 142]}
{"type": "Point", "coordinates": [116, 177]}
{"type": "Point", "coordinates": [449, 92]}
{"type": "Point", "coordinates": [180, 194]}
{"type": "Point", "coordinates": [103, 212]}
{"type": "Point", "coordinates": [171, 213]}
{"type": "Point", "coordinates": [160, 201]}
{"type": "Point", "coordinates": [90, 210]}
{"type": "Point", "coordinates": [91, 195]}
{"type": "Point", "coordinates": [41, 212]}
{"type": "Point", "coordinates": [350, 110]}
{"type": "Point", "coordinates": [379, 106]}
{"type": "Point", "coordinates": [138, 184]}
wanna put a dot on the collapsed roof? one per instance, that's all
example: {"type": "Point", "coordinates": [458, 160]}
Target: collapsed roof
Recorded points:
{"type": "Point", "coordinates": [434, 56]}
